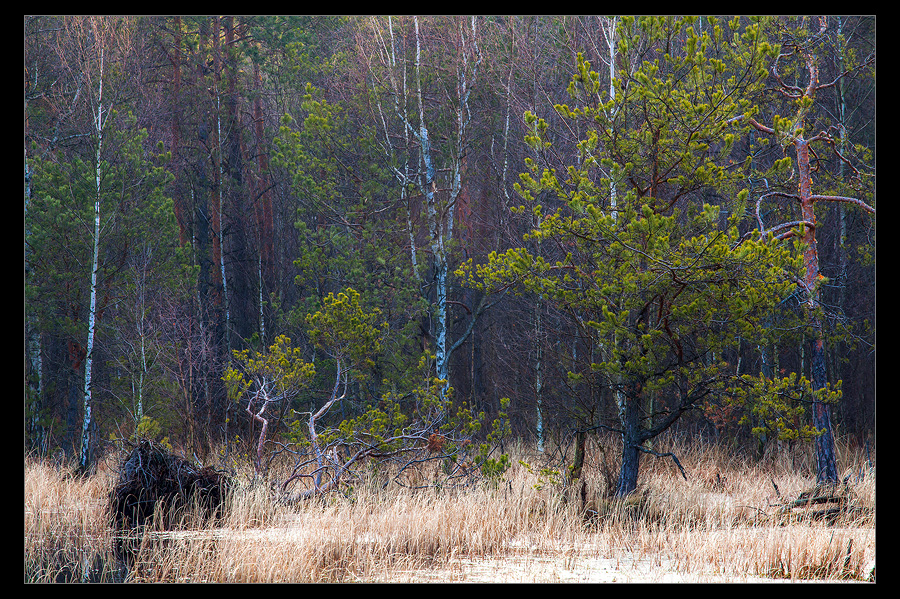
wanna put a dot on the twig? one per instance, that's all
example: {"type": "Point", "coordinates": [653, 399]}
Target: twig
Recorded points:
{"type": "Point", "coordinates": [777, 492]}
{"type": "Point", "coordinates": [665, 455]}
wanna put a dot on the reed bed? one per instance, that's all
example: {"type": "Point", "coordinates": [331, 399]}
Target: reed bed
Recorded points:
{"type": "Point", "coordinates": [721, 524]}
{"type": "Point", "coordinates": [67, 538]}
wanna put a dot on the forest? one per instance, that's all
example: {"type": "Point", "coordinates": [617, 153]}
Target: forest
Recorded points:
{"type": "Point", "coordinates": [337, 240]}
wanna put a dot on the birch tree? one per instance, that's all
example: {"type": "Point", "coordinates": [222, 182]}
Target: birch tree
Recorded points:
{"type": "Point", "coordinates": [86, 198]}
{"type": "Point", "coordinates": [102, 115]}
{"type": "Point", "coordinates": [98, 43]}
{"type": "Point", "coordinates": [39, 76]}
{"type": "Point", "coordinates": [407, 116]}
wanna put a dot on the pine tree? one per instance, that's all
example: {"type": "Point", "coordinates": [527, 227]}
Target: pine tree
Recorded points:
{"type": "Point", "coordinates": [797, 61]}
{"type": "Point", "coordinates": [663, 281]}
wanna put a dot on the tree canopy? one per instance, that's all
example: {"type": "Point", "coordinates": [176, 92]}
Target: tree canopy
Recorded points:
{"type": "Point", "coordinates": [335, 238]}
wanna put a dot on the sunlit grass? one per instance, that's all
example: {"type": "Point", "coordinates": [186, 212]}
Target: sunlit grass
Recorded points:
{"type": "Point", "coordinates": [722, 524]}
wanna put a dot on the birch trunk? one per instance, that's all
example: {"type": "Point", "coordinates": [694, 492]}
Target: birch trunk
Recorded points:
{"type": "Point", "coordinates": [219, 199]}
{"type": "Point", "coordinates": [87, 401]}
{"type": "Point", "coordinates": [33, 347]}
{"type": "Point", "coordinates": [439, 212]}
{"type": "Point", "coordinates": [538, 375]}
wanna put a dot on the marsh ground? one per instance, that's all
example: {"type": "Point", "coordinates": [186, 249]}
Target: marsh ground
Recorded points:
{"type": "Point", "coordinates": [726, 523]}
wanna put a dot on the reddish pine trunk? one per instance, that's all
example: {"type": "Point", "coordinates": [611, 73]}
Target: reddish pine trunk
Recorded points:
{"type": "Point", "coordinates": [825, 458]}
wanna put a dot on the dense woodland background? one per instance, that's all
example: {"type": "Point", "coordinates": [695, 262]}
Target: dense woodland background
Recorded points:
{"type": "Point", "coordinates": [199, 185]}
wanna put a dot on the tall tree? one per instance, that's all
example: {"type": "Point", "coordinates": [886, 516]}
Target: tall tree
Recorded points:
{"type": "Point", "coordinates": [398, 163]}
{"type": "Point", "coordinates": [95, 185]}
{"type": "Point", "coordinates": [346, 220]}
{"type": "Point", "coordinates": [99, 40]}
{"type": "Point", "coordinates": [796, 72]}
{"type": "Point", "coordinates": [406, 74]}
{"type": "Point", "coordinates": [660, 278]}
{"type": "Point", "coordinates": [99, 52]}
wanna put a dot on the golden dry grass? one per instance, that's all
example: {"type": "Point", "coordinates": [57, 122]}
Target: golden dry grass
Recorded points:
{"type": "Point", "coordinates": [722, 524]}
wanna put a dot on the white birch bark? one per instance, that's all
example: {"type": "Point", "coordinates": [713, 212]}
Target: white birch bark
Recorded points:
{"type": "Point", "coordinates": [140, 356]}
{"type": "Point", "coordinates": [608, 27]}
{"type": "Point", "coordinates": [439, 214]}
{"type": "Point", "coordinates": [140, 312]}
{"type": "Point", "coordinates": [388, 54]}
{"type": "Point", "coordinates": [538, 376]}
{"type": "Point", "coordinates": [436, 231]}
{"type": "Point", "coordinates": [87, 403]}
{"type": "Point", "coordinates": [35, 381]}
{"type": "Point", "coordinates": [220, 235]}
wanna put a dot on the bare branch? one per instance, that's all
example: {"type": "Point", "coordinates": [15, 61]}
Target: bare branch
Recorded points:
{"type": "Point", "coordinates": [788, 225]}
{"type": "Point", "coordinates": [668, 454]}
{"type": "Point", "coordinates": [855, 201]}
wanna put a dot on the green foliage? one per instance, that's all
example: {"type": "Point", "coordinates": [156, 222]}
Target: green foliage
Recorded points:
{"type": "Point", "coordinates": [139, 258]}
{"type": "Point", "coordinates": [470, 424]}
{"type": "Point", "coordinates": [275, 376]}
{"type": "Point", "coordinates": [346, 330]}
{"type": "Point", "coordinates": [346, 220]}
{"type": "Point", "coordinates": [661, 281]}
{"type": "Point", "coordinates": [493, 469]}
{"type": "Point", "coordinates": [656, 291]}
{"type": "Point", "coordinates": [385, 424]}
{"type": "Point", "coordinates": [545, 475]}
{"type": "Point", "coordinates": [395, 425]}
{"type": "Point", "coordinates": [775, 407]}
{"type": "Point", "coordinates": [298, 43]}
{"type": "Point", "coordinates": [134, 209]}
{"type": "Point", "coordinates": [339, 182]}
{"type": "Point", "coordinates": [636, 230]}
{"type": "Point", "coordinates": [280, 371]}
{"type": "Point", "coordinates": [149, 428]}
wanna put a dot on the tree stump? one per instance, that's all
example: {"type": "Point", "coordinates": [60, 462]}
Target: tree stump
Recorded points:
{"type": "Point", "coordinates": [158, 488]}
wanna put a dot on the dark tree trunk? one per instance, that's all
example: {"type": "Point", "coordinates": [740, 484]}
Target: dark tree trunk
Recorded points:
{"type": "Point", "coordinates": [578, 462]}
{"type": "Point", "coordinates": [631, 453]}
{"type": "Point", "coordinates": [826, 468]}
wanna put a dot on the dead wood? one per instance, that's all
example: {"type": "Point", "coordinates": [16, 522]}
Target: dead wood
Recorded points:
{"type": "Point", "coordinates": [155, 483]}
{"type": "Point", "coordinates": [830, 503]}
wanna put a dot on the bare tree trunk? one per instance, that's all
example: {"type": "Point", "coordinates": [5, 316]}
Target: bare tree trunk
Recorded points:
{"type": "Point", "coordinates": [263, 203]}
{"type": "Point", "coordinates": [631, 452]}
{"type": "Point", "coordinates": [179, 200]}
{"type": "Point", "coordinates": [436, 228]}
{"type": "Point", "coordinates": [87, 402]}
{"type": "Point", "coordinates": [539, 377]}
{"type": "Point", "coordinates": [826, 468]}
{"type": "Point", "coordinates": [439, 211]}
{"type": "Point", "coordinates": [38, 436]}
{"type": "Point", "coordinates": [806, 228]}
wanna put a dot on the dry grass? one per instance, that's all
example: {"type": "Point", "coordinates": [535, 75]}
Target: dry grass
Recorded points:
{"type": "Point", "coordinates": [721, 524]}
{"type": "Point", "coordinates": [66, 536]}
